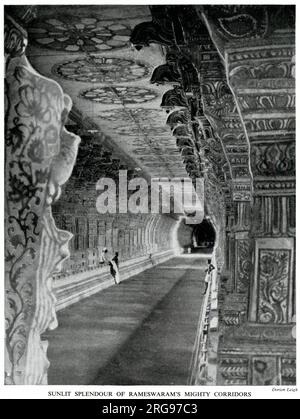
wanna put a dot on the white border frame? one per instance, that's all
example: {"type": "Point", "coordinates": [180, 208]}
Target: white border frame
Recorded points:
{"type": "Point", "coordinates": [216, 392]}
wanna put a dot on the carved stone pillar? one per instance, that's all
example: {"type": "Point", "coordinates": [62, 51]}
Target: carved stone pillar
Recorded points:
{"type": "Point", "coordinates": [237, 279]}
{"type": "Point", "coordinates": [39, 157]}
{"type": "Point", "coordinates": [242, 263]}
{"type": "Point", "coordinates": [259, 63]}
{"type": "Point", "coordinates": [257, 76]}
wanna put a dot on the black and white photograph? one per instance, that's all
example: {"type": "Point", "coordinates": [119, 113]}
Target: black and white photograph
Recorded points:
{"type": "Point", "coordinates": [149, 176]}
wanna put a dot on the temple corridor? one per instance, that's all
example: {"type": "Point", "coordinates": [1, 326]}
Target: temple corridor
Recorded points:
{"type": "Point", "coordinates": [141, 331]}
{"type": "Point", "coordinates": [136, 137]}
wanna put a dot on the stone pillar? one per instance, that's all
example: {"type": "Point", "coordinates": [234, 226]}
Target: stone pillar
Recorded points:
{"type": "Point", "coordinates": [259, 64]}
{"type": "Point", "coordinates": [40, 155]}
{"type": "Point", "coordinates": [261, 78]}
{"type": "Point", "coordinates": [242, 248]}
{"type": "Point", "coordinates": [237, 282]}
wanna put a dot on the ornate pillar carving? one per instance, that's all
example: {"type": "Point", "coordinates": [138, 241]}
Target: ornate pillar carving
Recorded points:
{"type": "Point", "coordinates": [268, 113]}
{"type": "Point", "coordinates": [40, 155]}
{"type": "Point", "coordinates": [259, 63]}
{"type": "Point", "coordinates": [235, 290]}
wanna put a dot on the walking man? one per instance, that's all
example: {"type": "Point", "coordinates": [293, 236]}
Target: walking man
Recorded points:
{"type": "Point", "coordinates": [208, 270]}
{"type": "Point", "coordinates": [114, 268]}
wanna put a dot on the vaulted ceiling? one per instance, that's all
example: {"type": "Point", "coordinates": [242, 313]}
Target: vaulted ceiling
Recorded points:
{"type": "Point", "coordinates": [116, 110]}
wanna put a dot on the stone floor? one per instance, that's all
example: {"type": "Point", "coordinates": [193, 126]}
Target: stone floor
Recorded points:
{"type": "Point", "coordinates": [139, 332]}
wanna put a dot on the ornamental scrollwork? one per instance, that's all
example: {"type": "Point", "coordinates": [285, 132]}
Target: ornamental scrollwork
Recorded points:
{"type": "Point", "coordinates": [40, 155]}
{"type": "Point", "coordinates": [243, 266]}
{"type": "Point", "coordinates": [273, 159]}
{"type": "Point", "coordinates": [273, 283]}
{"type": "Point", "coordinates": [118, 95]}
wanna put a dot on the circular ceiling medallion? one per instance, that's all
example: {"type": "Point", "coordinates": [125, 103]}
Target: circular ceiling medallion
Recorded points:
{"type": "Point", "coordinates": [101, 70]}
{"type": "Point", "coordinates": [75, 34]}
{"type": "Point", "coordinates": [149, 117]}
{"type": "Point", "coordinates": [115, 115]}
{"type": "Point", "coordinates": [119, 95]}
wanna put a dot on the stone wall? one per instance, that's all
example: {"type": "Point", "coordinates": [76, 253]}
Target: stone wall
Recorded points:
{"type": "Point", "coordinates": [141, 240]}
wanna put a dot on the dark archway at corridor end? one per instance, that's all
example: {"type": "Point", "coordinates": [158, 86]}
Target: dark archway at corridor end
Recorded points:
{"type": "Point", "coordinates": [204, 237]}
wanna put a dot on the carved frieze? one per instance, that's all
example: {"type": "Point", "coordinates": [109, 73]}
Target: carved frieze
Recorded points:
{"type": "Point", "coordinates": [248, 334]}
{"type": "Point", "coordinates": [238, 369]}
{"type": "Point", "coordinates": [243, 265]}
{"type": "Point", "coordinates": [234, 371]}
{"type": "Point", "coordinates": [273, 159]}
{"type": "Point", "coordinates": [217, 99]}
{"type": "Point", "coordinates": [267, 75]}
{"type": "Point", "coordinates": [260, 52]}
{"type": "Point", "coordinates": [254, 103]}
{"type": "Point", "coordinates": [281, 186]}
{"type": "Point", "coordinates": [241, 191]}
{"type": "Point", "coordinates": [272, 288]}
{"type": "Point", "coordinates": [270, 125]}
{"type": "Point", "coordinates": [288, 371]}
{"type": "Point", "coordinates": [240, 172]}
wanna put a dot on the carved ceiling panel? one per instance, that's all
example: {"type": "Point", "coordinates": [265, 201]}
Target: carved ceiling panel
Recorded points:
{"type": "Point", "coordinates": [115, 116]}
{"type": "Point", "coordinates": [74, 34]}
{"type": "Point", "coordinates": [119, 95]}
{"type": "Point", "coordinates": [138, 123]}
{"type": "Point", "coordinates": [95, 69]}
{"type": "Point", "coordinates": [92, 60]}
{"type": "Point", "coordinates": [145, 135]}
{"type": "Point", "coordinates": [149, 118]}
{"type": "Point", "coordinates": [132, 130]}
